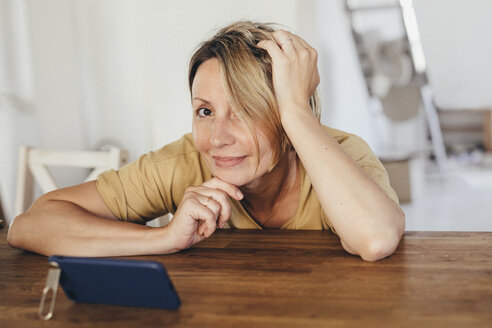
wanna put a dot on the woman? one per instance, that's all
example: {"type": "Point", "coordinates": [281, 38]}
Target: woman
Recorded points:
{"type": "Point", "coordinates": [257, 158]}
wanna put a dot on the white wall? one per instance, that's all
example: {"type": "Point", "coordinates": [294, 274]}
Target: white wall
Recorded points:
{"type": "Point", "coordinates": [132, 63]}
{"type": "Point", "coordinates": [111, 71]}
{"type": "Point", "coordinates": [343, 93]}
{"type": "Point", "coordinates": [90, 72]}
{"type": "Point", "coordinates": [457, 41]}
{"type": "Point", "coordinates": [17, 120]}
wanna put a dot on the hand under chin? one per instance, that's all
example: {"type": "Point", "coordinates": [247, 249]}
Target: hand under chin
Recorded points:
{"type": "Point", "coordinates": [232, 178]}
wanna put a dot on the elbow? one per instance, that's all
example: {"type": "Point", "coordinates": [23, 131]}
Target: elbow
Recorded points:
{"type": "Point", "coordinates": [23, 226]}
{"type": "Point", "coordinates": [13, 237]}
{"type": "Point", "coordinates": [378, 250]}
{"type": "Point", "coordinates": [22, 234]}
{"type": "Point", "coordinates": [28, 231]}
{"type": "Point", "coordinates": [384, 246]}
{"type": "Point", "coordinates": [19, 231]}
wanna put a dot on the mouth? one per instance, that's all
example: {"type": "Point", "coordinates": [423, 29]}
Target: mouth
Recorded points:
{"type": "Point", "coordinates": [226, 162]}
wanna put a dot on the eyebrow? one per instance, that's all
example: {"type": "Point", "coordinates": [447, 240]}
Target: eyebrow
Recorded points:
{"type": "Point", "coordinates": [201, 99]}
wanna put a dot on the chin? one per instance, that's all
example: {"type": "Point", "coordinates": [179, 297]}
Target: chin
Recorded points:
{"type": "Point", "coordinates": [234, 179]}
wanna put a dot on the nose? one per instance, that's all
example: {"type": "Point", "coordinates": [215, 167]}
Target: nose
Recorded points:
{"type": "Point", "coordinates": [222, 133]}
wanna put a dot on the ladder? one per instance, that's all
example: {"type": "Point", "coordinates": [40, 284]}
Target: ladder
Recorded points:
{"type": "Point", "coordinates": [415, 52]}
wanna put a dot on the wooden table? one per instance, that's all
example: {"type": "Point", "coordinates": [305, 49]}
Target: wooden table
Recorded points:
{"type": "Point", "coordinates": [284, 278]}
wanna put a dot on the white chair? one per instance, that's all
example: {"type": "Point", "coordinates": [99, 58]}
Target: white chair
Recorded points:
{"type": "Point", "coordinates": [33, 165]}
{"type": "Point", "coordinates": [2, 215]}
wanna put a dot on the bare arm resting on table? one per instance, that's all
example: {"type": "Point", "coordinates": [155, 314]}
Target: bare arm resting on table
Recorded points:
{"type": "Point", "coordinates": [368, 222]}
{"type": "Point", "coordinates": [76, 221]}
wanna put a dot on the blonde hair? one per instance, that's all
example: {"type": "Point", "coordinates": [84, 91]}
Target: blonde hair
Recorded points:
{"type": "Point", "coordinates": [247, 74]}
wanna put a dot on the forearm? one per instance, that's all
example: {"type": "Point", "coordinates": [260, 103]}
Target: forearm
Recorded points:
{"type": "Point", "coordinates": [60, 227]}
{"type": "Point", "coordinates": [366, 219]}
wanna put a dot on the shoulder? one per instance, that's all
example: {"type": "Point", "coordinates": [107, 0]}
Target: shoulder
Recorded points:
{"type": "Point", "coordinates": [181, 148]}
{"type": "Point", "coordinates": [339, 135]}
{"type": "Point", "coordinates": [181, 160]}
{"type": "Point", "coordinates": [352, 144]}
{"type": "Point", "coordinates": [180, 153]}
{"type": "Point", "coordinates": [176, 163]}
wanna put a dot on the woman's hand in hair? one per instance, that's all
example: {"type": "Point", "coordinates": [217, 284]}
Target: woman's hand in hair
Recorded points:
{"type": "Point", "coordinates": [202, 209]}
{"type": "Point", "coordinates": [295, 70]}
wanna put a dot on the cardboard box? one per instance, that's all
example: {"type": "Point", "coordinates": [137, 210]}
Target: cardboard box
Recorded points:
{"type": "Point", "coordinates": [399, 175]}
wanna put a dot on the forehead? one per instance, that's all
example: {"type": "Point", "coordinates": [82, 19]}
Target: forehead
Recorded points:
{"type": "Point", "coordinates": [208, 79]}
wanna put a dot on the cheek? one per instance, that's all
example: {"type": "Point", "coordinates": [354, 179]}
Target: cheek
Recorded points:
{"type": "Point", "coordinates": [266, 151]}
{"type": "Point", "coordinates": [266, 156]}
{"type": "Point", "coordinates": [201, 137]}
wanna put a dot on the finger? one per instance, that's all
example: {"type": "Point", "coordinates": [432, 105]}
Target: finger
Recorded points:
{"type": "Point", "coordinates": [221, 207]}
{"type": "Point", "coordinates": [297, 41]}
{"type": "Point", "coordinates": [312, 51]}
{"type": "Point", "coordinates": [214, 188]}
{"type": "Point", "coordinates": [201, 228]}
{"type": "Point", "coordinates": [271, 47]}
{"type": "Point", "coordinates": [207, 197]}
{"type": "Point", "coordinates": [230, 189]}
{"type": "Point", "coordinates": [287, 41]}
{"type": "Point", "coordinates": [302, 42]}
{"type": "Point", "coordinates": [208, 226]}
{"type": "Point", "coordinates": [287, 46]}
{"type": "Point", "coordinates": [217, 200]}
{"type": "Point", "coordinates": [211, 203]}
{"type": "Point", "coordinates": [308, 51]}
{"type": "Point", "coordinates": [206, 217]}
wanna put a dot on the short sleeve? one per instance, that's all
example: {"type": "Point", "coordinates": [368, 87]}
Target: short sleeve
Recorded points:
{"type": "Point", "coordinates": [153, 185]}
{"type": "Point", "coordinates": [364, 157]}
{"type": "Point", "coordinates": [133, 192]}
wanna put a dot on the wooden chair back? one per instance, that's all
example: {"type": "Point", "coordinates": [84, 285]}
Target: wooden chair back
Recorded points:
{"type": "Point", "coordinates": [33, 167]}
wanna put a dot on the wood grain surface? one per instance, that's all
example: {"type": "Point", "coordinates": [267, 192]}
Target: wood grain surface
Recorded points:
{"type": "Point", "coordinates": [274, 278]}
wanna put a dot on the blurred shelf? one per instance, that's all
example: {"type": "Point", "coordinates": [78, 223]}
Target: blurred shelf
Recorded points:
{"type": "Point", "coordinates": [466, 122]}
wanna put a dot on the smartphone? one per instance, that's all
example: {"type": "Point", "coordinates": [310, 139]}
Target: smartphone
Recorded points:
{"type": "Point", "coordinates": [116, 282]}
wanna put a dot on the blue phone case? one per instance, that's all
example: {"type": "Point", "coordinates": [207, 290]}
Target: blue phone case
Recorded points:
{"type": "Point", "coordinates": [117, 282]}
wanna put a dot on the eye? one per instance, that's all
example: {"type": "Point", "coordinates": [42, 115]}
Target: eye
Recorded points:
{"type": "Point", "coordinates": [203, 112]}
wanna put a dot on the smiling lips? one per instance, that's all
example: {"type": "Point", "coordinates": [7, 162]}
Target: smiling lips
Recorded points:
{"type": "Point", "coordinates": [225, 162]}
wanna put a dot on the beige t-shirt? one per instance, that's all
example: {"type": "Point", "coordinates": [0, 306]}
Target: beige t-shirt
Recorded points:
{"type": "Point", "coordinates": [155, 184]}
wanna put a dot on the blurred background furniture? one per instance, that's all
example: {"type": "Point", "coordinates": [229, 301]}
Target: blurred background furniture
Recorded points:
{"type": "Point", "coordinates": [465, 130]}
{"type": "Point", "coordinates": [33, 167]}
{"type": "Point", "coordinates": [394, 69]}
{"type": "Point", "coordinates": [2, 214]}
{"type": "Point", "coordinates": [395, 73]}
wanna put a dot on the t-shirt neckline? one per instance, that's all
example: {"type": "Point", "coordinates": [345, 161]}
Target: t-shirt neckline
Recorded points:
{"type": "Point", "coordinates": [302, 196]}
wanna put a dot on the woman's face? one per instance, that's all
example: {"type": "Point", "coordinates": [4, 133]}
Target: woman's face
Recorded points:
{"type": "Point", "coordinates": [224, 140]}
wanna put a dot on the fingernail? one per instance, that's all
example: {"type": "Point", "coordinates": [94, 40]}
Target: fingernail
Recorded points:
{"type": "Point", "coordinates": [222, 225]}
{"type": "Point", "coordinates": [239, 194]}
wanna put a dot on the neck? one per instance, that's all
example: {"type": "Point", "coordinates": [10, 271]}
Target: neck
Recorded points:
{"type": "Point", "coordinates": [263, 193]}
